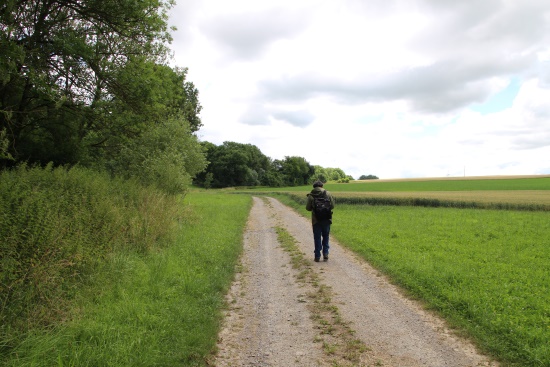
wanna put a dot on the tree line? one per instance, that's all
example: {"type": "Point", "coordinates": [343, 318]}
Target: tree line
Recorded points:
{"type": "Point", "coordinates": [236, 164]}
{"type": "Point", "coordinates": [88, 83]}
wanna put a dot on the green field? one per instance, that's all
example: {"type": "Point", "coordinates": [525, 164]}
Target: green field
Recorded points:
{"type": "Point", "coordinates": [505, 184]}
{"type": "Point", "coordinates": [487, 271]}
{"type": "Point", "coordinates": [520, 193]}
{"type": "Point", "coordinates": [542, 183]}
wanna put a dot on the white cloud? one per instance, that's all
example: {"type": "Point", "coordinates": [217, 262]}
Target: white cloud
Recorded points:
{"type": "Point", "coordinates": [248, 34]}
{"type": "Point", "coordinates": [394, 83]}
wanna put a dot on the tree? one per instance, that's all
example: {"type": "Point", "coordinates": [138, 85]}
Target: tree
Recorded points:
{"type": "Point", "coordinates": [157, 94]}
{"type": "Point", "coordinates": [235, 164]}
{"type": "Point", "coordinates": [320, 174]}
{"type": "Point", "coordinates": [4, 143]}
{"type": "Point", "coordinates": [368, 177]}
{"type": "Point", "coordinates": [165, 155]}
{"type": "Point", "coordinates": [296, 171]}
{"type": "Point", "coordinates": [80, 75]}
{"type": "Point", "coordinates": [273, 177]}
{"type": "Point", "coordinates": [335, 174]}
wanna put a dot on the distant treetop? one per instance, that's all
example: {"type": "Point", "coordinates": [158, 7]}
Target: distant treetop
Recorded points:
{"type": "Point", "coordinates": [368, 177]}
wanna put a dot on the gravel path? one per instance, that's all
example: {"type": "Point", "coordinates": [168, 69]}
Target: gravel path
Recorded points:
{"type": "Point", "coordinates": [270, 321]}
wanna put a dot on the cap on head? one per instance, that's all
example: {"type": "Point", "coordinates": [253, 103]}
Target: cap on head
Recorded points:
{"type": "Point", "coordinates": [318, 184]}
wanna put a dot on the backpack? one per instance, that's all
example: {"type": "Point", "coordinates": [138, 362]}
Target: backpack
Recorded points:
{"type": "Point", "coordinates": [321, 207]}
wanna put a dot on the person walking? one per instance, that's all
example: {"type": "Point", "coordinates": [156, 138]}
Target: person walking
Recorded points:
{"type": "Point", "coordinates": [320, 203]}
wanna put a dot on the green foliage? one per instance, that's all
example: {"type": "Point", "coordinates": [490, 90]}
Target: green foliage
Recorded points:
{"type": "Point", "coordinates": [319, 174]}
{"type": "Point", "coordinates": [329, 174]}
{"type": "Point", "coordinates": [83, 82]}
{"type": "Point", "coordinates": [4, 143]}
{"type": "Point", "coordinates": [485, 270]}
{"type": "Point", "coordinates": [165, 155]}
{"type": "Point", "coordinates": [296, 171]}
{"type": "Point", "coordinates": [57, 224]}
{"type": "Point", "coordinates": [161, 308]}
{"type": "Point", "coordinates": [368, 177]}
{"type": "Point", "coordinates": [62, 68]}
{"type": "Point", "coordinates": [335, 174]}
{"type": "Point", "coordinates": [235, 164]}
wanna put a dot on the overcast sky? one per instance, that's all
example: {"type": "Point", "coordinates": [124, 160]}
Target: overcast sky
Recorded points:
{"type": "Point", "coordinates": [393, 88]}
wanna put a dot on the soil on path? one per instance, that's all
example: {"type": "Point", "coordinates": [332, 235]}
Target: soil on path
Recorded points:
{"type": "Point", "coordinates": [272, 321]}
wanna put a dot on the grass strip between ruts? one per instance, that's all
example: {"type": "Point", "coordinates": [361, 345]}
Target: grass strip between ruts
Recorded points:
{"type": "Point", "coordinates": [337, 337]}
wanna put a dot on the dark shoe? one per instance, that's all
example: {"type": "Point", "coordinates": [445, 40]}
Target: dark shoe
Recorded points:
{"type": "Point", "coordinates": [317, 259]}
{"type": "Point", "coordinates": [325, 257]}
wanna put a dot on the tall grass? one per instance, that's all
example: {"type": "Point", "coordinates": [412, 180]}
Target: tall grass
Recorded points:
{"type": "Point", "coordinates": [57, 225]}
{"type": "Point", "coordinates": [161, 308]}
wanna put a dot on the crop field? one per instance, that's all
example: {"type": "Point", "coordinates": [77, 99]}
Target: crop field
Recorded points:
{"type": "Point", "coordinates": [524, 197]}
{"type": "Point", "coordinates": [486, 271]}
{"type": "Point", "coordinates": [508, 183]}
{"type": "Point", "coordinates": [521, 192]}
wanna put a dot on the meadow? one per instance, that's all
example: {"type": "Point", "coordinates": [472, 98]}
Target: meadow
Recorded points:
{"type": "Point", "coordinates": [486, 271]}
{"type": "Point", "coordinates": [488, 183]}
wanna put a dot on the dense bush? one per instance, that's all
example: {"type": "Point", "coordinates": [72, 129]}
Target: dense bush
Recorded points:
{"type": "Point", "coordinates": [57, 224]}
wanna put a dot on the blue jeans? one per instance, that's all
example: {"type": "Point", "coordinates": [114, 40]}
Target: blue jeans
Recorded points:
{"type": "Point", "coordinates": [321, 230]}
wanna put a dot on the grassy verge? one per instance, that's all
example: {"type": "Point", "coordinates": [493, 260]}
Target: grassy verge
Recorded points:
{"type": "Point", "coordinates": [161, 308]}
{"type": "Point", "coordinates": [57, 225]}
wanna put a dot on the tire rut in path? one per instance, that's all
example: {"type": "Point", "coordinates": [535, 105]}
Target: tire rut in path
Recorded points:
{"type": "Point", "coordinates": [269, 324]}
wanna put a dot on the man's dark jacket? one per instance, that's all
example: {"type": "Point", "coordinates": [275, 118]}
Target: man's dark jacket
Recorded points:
{"type": "Point", "coordinates": [317, 192]}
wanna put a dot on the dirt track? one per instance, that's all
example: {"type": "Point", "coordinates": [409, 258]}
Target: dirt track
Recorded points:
{"type": "Point", "coordinates": [272, 319]}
